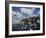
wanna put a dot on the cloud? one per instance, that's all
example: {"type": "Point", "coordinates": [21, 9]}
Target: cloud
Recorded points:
{"type": "Point", "coordinates": [24, 13]}
{"type": "Point", "coordinates": [16, 17]}
{"type": "Point", "coordinates": [27, 11]}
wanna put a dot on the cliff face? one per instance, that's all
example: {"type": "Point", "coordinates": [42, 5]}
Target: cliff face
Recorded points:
{"type": "Point", "coordinates": [32, 23]}
{"type": "Point", "coordinates": [27, 21]}
{"type": "Point", "coordinates": [30, 20]}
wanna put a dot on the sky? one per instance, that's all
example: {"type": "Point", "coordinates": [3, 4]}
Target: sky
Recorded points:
{"type": "Point", "coordinates": [20, 13]}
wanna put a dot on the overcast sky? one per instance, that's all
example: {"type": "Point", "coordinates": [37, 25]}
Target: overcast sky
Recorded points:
{"type": "Point", "coordinates": [22, 12]}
